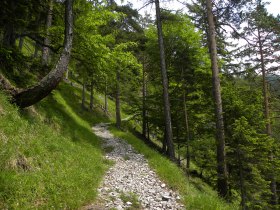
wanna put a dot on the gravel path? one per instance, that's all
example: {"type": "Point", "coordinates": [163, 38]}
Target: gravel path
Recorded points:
{"type": "Point", "coordinates": [130, 183]}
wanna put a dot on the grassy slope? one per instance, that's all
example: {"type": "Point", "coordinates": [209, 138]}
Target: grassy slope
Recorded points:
{"type": "Point", "coordinates": [64, 159]}
{"type": "Point", "coordinates": [49, 158]}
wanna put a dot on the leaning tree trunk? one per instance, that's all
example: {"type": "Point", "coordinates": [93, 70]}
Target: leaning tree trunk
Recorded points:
{"type": "Point", "coordinates": [45, 49]}
{"type": "Point", "coordinates": [36, 93]}
{"type": "Point", "coordinates": [167, 113]}
{"type": "Point", "coordinates": [222, 180]}
{"type": "Point", "coordinates": [273, 184]}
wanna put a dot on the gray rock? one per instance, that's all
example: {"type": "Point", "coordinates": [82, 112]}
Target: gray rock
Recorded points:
{"type": "Point", "coordinates": [165, 197]}
{"type": "Point", "coordinates": [128, 203]}
{"type": "Point", "coordinates": [119, 207]}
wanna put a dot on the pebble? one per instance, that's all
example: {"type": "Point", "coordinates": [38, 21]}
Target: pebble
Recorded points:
{"type": "Point", "coordinates": [129, 175]}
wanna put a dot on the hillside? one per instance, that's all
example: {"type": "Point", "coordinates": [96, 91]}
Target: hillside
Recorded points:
{"type": "Point", "coordinates": [52, 160]}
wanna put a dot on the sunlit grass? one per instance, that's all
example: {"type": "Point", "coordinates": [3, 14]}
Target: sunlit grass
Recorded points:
{"type": "Point", "coordinates": [49, 157]}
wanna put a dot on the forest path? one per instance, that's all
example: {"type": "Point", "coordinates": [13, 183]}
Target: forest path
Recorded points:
{"type": "Point", "coordinates": [130, 183]}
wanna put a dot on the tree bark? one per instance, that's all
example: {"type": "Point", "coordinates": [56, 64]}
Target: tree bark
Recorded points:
{"type": "Point", "coordinates": [9, 36]}
{"type": "Point", "coordinates": [91, 95]}
{"type": "Point", "coordinates": [164, 144]}
{"type": "Point", "coordinates": [144, 95]}
{"type": "Point", "coordinates": [106, 96]}
{"type": "Point", "coordinates": [20, 44]}
{"type": "Point", "coordinates": [67, 74]}
{"type": "Point", "coordinates": [84, 94]}
{"type": "Point", "coordinates": [118, 106]}
{"type": "Point", "coordinates": [222, 180]}
{"type": "Point", "coordinates": [273, 185]}
{"type": "Point", "coordinates": [187, 136]}
{"type": "Point", "coordinates": [241, 180]}
{"type": "Point", "coordinates": [36, 93]}
{"type": "Point", "coordinates": [148, 128]}
{"type": "Point", "coordinates": [45, 50]}
{"type": "Point", "coordinates": [167, 113]}
{"type": "Point", "coordinates": [36, 50]}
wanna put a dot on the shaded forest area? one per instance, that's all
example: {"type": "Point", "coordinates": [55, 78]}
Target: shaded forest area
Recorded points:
{"type": "Point", "coordinates": [211, 105]}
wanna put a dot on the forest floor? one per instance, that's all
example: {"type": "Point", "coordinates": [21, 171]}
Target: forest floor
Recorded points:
{"type": "Point", "coordinates": [130, 183]}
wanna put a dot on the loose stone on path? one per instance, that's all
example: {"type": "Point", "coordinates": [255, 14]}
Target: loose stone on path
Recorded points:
{"type": "Point", "coordinates": [130, 182]}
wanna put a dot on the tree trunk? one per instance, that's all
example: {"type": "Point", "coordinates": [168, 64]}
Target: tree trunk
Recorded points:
{"type": "Point", "coordinates": [222, 180]}
{"type": "Point", "coordinates": [84, 94]}
{"type": "Point", "coordinates": [241, 180]}
{"type": "Point", "coordinates": [36, 50]}
{"type": "Point", "coordinates": [20, 44]}
{"type": "Point", "coordinates": [106, 96]}
{"type": "Point", "coordinates": [167, 113]}
{"type": "Point", "coordinates": [144, 95]}
{"type": "Point", "coordinates": [178, 142]}
{"type": "Point", "coordinates": [187, 136]}
{"type": "Point", "coordinates": [45, 50]}
{"type": "Point", "coordinates": [67, 74]}
{"type": "Point", "coordinates": [273, 185]}
{"type": "Point", "coordinates": [164, 145]}
{"type": "Point", "coordinates": [91, 95]}
{"type": "Point", "coordinates": [148, 128]}
{"type": "Point", "coordinates": [179, 155]}
{"type": "Point", "coordinates": [36, 93]}
{"type": "Point", "coordinates": [118, 106]}
{"type": "Point", "coordinates": [9, 37]}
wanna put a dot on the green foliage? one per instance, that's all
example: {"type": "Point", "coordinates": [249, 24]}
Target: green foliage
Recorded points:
{"type": "Point", "coordinates": [189, 74]}
{"type": "Point", "coordinates": [244, 126]}
{"type": "Point", "coordinates": [249, 167]}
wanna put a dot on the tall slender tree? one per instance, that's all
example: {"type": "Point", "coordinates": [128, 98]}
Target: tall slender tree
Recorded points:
{"type": "Point", "coordinates": [167, 113]}
{"type": "Point", "coordinates": [117, 96]}
{"type": "Point", "coordinates": [222, 179]}
{"type": "Point", "coordinates": [45, 50]}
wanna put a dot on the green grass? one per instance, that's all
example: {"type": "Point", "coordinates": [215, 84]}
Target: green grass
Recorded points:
{"type": "Point", "coordinates": [132, 198]}
{"type": "Point", "coordinates": [195, 194]}
{"type": "Point", "coordinates": [49, 157]}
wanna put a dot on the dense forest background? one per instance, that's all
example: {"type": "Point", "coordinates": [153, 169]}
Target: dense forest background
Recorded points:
{"type": "Point", "coordinates": [211, 105]}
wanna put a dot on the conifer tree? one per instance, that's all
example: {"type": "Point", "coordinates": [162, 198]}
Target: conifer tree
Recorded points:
{"type": "Point", "coordinates": [167, 113]}
{"type": "Point", "coordinates": [222, 179]}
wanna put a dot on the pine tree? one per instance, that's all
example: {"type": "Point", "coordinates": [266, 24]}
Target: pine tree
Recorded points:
{"type": "Point", "coordinates": [167, 112]}
{"type": "Point", "coordinates": [222, 180]}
